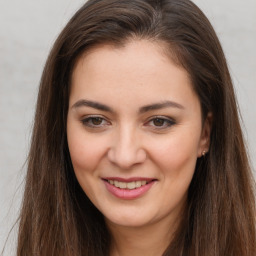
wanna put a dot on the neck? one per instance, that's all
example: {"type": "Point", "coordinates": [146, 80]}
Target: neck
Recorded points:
{"type": "Point", "coordinates": [150, 240]}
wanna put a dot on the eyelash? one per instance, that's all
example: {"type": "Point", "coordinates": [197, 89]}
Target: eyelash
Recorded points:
{"type": "Point", "coordinates": [88, 121]}
{"type": "Point", "coordinates": [167, 122]}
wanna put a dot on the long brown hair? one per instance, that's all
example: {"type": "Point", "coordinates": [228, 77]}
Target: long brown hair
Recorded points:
{"type": "Point", "coordinates": [58, 219]}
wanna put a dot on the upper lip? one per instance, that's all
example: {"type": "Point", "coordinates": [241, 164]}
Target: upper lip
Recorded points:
{"type": "Point", "coordinates": [128, 179]}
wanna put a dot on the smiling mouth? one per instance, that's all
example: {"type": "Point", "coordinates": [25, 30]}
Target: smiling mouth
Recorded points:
{"type": "Point", "coordinates": [130, 188]}
{"type": "Point", "coordinates": [130, 184]}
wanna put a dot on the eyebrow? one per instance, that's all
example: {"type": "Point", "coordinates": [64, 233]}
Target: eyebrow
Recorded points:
{"type": "Point", "coordinates": [92, 104]}
{"type": "Point", "coordinates": [147, 108]}
{"type": "Point", "coordinates": [160, 105]}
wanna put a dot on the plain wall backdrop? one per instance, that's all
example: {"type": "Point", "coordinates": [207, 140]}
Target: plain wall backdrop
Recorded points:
{"type": "Point", "coordinates": [28, 29]}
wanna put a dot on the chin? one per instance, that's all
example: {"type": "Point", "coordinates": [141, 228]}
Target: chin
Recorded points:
{"type": "Point", "coordinates": [128, 220]}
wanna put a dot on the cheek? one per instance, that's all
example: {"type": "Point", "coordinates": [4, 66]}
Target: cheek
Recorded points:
{"type": "Point", "coordinates": [85, 152]}
{"type": "Point", "coordinates": [177, 156]}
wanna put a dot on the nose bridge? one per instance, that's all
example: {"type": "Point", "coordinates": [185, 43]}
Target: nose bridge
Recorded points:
{"type": "Point", "coordinates": [127, 147]}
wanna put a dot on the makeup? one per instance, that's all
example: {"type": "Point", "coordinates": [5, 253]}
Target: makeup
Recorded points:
{"type": "Point", "coordinates": [128, 188]}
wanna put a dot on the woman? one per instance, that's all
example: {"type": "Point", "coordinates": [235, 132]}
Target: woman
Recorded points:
{"type": "Point", "coordinates": [137, 147]}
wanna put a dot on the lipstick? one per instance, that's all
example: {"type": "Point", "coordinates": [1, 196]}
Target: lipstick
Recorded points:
{"type": "Point", "coordinates": [131, 188]}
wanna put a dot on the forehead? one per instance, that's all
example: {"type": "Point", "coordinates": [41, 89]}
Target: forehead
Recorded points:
{"type": "Point", "coordinates": [140, 69]}
{"type": "Point", "coordinates": [130, 52]}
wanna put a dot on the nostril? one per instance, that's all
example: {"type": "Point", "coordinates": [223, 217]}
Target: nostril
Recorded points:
{"type": "Point", "coordinates": [126, 157]}
{"type": "Point", "coordinates": [142, 155]}
{"type": "Point", "coordinates": [111, 155]}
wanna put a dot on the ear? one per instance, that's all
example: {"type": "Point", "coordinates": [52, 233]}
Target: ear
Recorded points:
{"type": "Point", "coordinates": [204, 143]}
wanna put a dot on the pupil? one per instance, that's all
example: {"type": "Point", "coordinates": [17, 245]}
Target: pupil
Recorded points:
{"type": "Point", "coordinates": [158, 122]}
{"type": "Point", "coordinates": [96, 120]}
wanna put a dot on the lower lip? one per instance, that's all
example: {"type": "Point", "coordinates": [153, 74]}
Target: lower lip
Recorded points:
{"type": "Point", "coordinates": [128, 193]}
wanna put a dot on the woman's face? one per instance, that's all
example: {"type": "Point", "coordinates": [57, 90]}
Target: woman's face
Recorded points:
{"type": "Point", "coordinates": [134, 132]}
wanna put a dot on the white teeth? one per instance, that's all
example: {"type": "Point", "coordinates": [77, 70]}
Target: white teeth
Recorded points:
{"type": "Point", "coordinates": [143, 183]}
{"type": "Point", "coordinates": [131, 185]}
{"type": "Point", "coordinates": [127, 185]}
{"type": "Point", "coordinates": [138, 184]}
{"type": "Point", "coordinates": [122, 185]}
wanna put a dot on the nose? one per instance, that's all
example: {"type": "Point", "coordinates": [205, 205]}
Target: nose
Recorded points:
{"type": "Point", "coordinates": [127, 149]}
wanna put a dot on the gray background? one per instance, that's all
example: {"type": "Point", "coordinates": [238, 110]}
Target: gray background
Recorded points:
{"type": "Point", "coordinates": [28, 29]}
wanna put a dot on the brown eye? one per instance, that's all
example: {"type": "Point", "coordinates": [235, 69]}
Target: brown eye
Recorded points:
{"type": "Point", "coordinates": [96, 120]}
{"type": "Point", "coordinates": [159, 122]}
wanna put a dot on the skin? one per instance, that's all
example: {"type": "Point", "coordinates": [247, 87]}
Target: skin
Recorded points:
{"type": "Point", "coordinates": [129, 141]}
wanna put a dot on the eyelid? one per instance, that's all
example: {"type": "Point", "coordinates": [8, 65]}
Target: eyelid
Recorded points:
{"type": "Point", "coordinates": [86, 119]}
{"type": "Point", "coordinates": [170, 122]}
